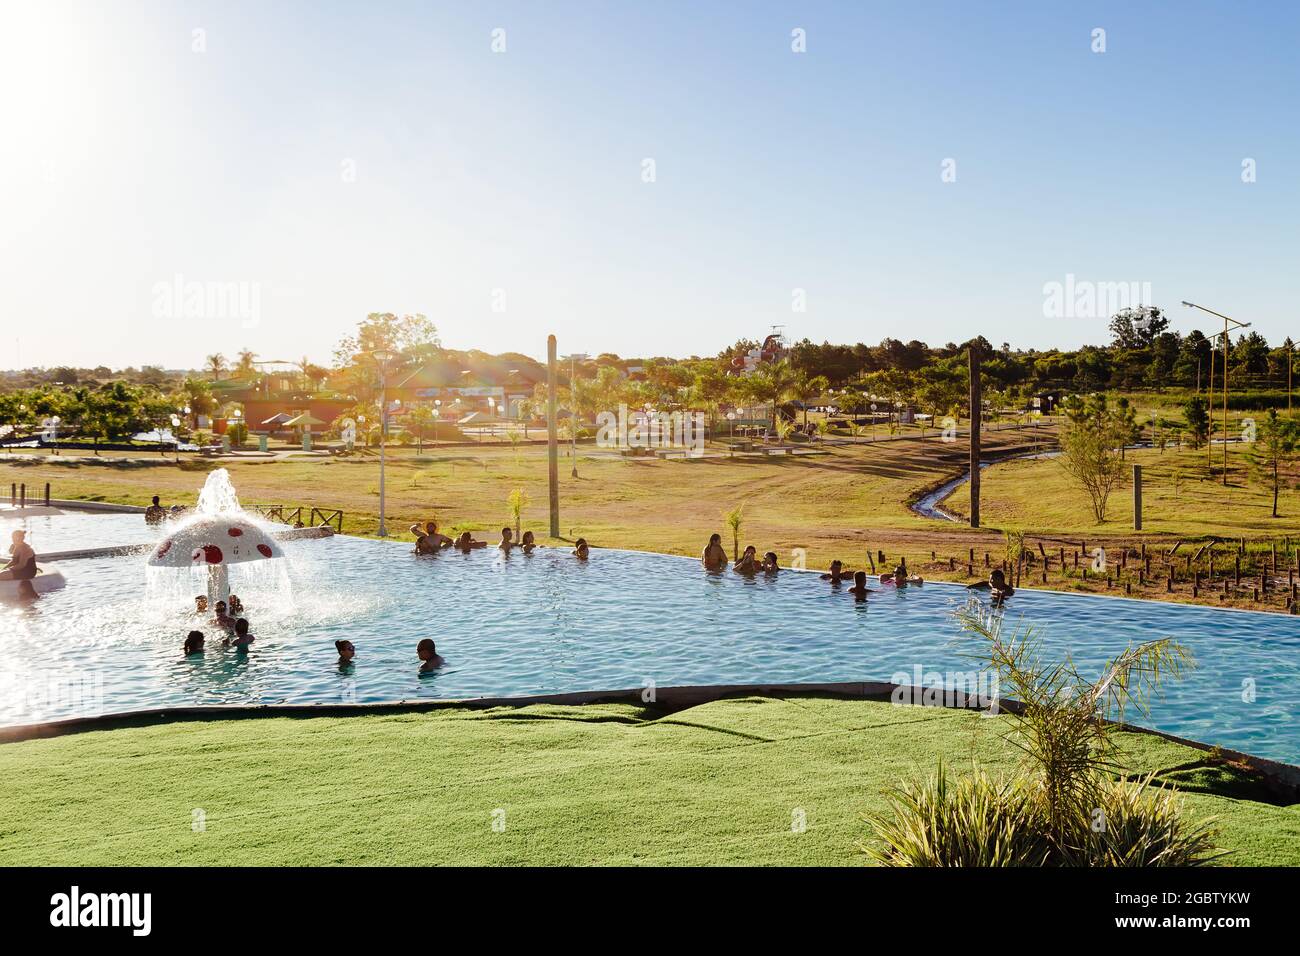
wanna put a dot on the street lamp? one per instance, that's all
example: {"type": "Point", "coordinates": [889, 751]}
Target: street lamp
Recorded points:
{"type": "Point", "coordinates": [1228, 323]}
{"type": "Point", "coordinates": [573, 407]}
{"type": "Point", "coordinates": [382, 357]}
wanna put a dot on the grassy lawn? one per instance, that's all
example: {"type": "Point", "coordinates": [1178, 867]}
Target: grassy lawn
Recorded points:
{"type": "Point", "coordinates": [1179, 498]}
{"type": "Point", "coordinates": [602, 784]}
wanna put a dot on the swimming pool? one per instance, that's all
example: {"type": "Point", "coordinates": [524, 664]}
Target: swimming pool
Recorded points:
{"type": "Point", "coordinates": [548, 623]}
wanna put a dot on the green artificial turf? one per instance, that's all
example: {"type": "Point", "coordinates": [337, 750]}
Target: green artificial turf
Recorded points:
{"type": "Point", "coordinates": [720, 783]}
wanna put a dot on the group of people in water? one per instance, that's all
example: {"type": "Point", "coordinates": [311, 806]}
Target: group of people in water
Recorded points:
{"type": "Point", "coordinates": [714, 558]}
{"type": "Point", "coordinates": [228, 616]}
{"type": "Point", "coordinates": [429, 540]}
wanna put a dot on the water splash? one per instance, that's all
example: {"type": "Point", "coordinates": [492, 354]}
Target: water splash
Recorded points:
{"type": "Point", "coordinates": [218, 494]}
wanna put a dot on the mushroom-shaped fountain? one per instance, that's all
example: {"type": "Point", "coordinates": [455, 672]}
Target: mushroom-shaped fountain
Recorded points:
{"type": "Point", "coordinates": [219, 535]}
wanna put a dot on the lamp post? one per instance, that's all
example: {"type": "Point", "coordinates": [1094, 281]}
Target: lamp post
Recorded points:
{"type": "Point", "coordinates": [382, 357]}
{"type": "Point", "coordinates": [1228, 324]}
{"type": "Point", "coordinates": [574, 358]}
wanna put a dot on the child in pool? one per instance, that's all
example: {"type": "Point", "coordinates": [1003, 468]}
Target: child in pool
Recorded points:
{"type": "Point", "coordinates": [241, 637]}
{"type": "Point", "coordinates": [748, 563]}
{"type": "Point", "coordinates": [347, 650]}
{"type": "Point", "coordinates": [507, 541]}
{"type": "Point", "coordinates": [527, 542]}
{"type": "Point", "coordinates": [194, 643]}
{"type": "Point", "coordinates": [581, 551]}
{"type": "Point", "coordinates": [466, 543]}
{"type": "Point", "coordinates": [769, 565]}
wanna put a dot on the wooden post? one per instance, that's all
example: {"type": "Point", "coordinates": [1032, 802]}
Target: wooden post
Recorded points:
{"type": "Point", "coordinates": [1137, 497]}
{"type": "Point", "coordinates": [552, 446]}
{"type": "Point", "coordinates": [976, 409]}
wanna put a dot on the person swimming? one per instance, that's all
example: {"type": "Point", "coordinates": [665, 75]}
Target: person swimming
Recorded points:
{"type": "Point", "coordinates": [466, 542]}
{"type": "Point", "coordinates": [428, 540]}
{"type": "Point", "coordinates": [507, 541]}
{"type": "Point", "coordinates": [155, 513]}
{"type": "Point", "coordinates": [235, 606]}
{"type": "Point", "coordinates": [714, 556]}
{"type": "Point", "coordinates": [427, 651]}
{"type": "Point", "coordinates": [528, 542]}
{"type": "Point", "coordinates": [347, 650]}
{"type": "Point", "coordinates": [22, 559]}
{"type": "Point", "coordinates": [193, 643]}
{"type": "Point", "coordinates": [996, 585]}
{"type": "Point", "coordinates": [769, 565]}
{"type": "Point", "coordinates": [242, 638]}
{"type": "Point", "coordinates": [859, 589]}
{"type": "Point", "coordinates": [581, 550]}
{"type": "Point", "coordinates": [900, 577]}
{"type": "Point", "coordinates": [748, 563]}
{"type": "Point", "coordinates": [200, 604]}
{"type": "Point", "coordinates": [837, 574]}
{"type": "Point", "coordinates": [222, 618]}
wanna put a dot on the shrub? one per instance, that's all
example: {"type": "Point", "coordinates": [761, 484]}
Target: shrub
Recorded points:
{"type": "Point", "coordinates": [975, 821]}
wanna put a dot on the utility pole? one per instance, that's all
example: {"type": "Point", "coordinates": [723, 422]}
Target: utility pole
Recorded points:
{"type": "Point", "coordinates": [552, 445]}
{"type": "Point", "coordinates": [1137, 497]}
{"type": "Point", "coordinates": [976, 409]}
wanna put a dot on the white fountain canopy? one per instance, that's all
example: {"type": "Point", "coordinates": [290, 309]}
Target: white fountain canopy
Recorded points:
{"type": "Point", "coordinates": [218, 535]}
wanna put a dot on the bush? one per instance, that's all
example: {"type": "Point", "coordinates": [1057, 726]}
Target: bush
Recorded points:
{"type": "Point", "coordinates": [974, 822]}
{"type": "Point", "coordinates": [979, 821]}
{"type": "Point", "coordinates": [1138, 824]}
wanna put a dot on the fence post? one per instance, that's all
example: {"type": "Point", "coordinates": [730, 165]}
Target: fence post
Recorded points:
{"type": "Point", "coordinates": [1137, 497]}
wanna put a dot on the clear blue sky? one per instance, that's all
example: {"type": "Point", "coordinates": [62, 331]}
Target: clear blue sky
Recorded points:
{"type": "Point", "coordinates": [131, 159]}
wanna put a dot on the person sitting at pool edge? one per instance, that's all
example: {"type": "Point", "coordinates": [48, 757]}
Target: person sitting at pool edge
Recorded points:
{"type": "Point", "coordinates": [427, 651]}
{"type": "Point", "coordinates": [507, 541]}
{"type": "Point", "coordinates": [714, 556]}
{"type": "Point", "coordinates": [996, 585]}
{"type": "Point", "coordinates": [193, 643]}
{"type": "Point", "coordinates": [200, 604]}
{"type": "Point", "coordinates": [467, 543]}
{"type": "Point", "coordinates": [859, 589]}
{"type": "Point", "coordinates": [22, 559]}
{"type": "Point", "coordinates": [347, 650]}
{"type": "Point", "coordinates": [155, 512]}
{"type": "Point", "coordinates": [581, 551]}
{"type": "Point", "coordinates": [837, 574]}
{"type": "Point", "coordinates": [528, 542]}
{"type": "Point", "coordinates": [748, 563]}
{"type": "Point", "coordinates": [242, 638]}
{"type": "Point", "coordinates": [428, 540]}
{"type": "Point", "coordinates": [769, 565]}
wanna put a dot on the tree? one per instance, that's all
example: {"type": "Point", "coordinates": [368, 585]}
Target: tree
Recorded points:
{"type": "Point", "coordinates": [1273, 448]}
{"type": "Point", "coordinates": [807, 388]}
{"type": "Point", "coordinates": [1092, 440]}
{"type": "Point", "coordinates": [216, 364]}
{"type": "Point", "coordinates": [769, 383]}
{"type": "Point", "coordinates": [1197, 415]}
{"type": "Point", "coordinates": [1138, 327]}
{"type": "Point", "coordinates": [414, 335]}
{"type": "Point", "coordinates": [420, 421]}
{"type": "Point", "coordinates": [245, 363]}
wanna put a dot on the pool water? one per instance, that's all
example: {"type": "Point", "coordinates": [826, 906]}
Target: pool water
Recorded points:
{"type": "Point", "coordinates": [548, 623]}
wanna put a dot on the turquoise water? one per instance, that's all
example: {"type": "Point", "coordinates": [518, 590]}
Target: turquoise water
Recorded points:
{"type": "Point", "coordinates": [548, 623]}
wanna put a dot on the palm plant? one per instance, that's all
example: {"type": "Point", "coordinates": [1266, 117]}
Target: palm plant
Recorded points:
{"type": "Point", "coordinates": [735, 518]}
{"type": "Point", "coordinates": [1064, 727]}
{"type": "Point", "coordinates": [216, 364]}
{"type": "Point", "coordinates": [517, 501]}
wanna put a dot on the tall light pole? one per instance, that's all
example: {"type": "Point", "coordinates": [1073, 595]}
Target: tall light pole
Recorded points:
{"type": "Point", "coordinates": [382, 357]}
{"type": "Point", "coordinates": [573, 407]}
{"type": "Point", "coordinates": [1228, 325]}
